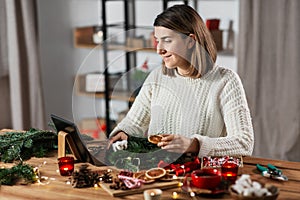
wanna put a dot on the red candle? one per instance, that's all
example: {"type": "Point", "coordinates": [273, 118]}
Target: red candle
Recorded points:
{"type": "Point", "coordinates": [66, 165]}
{"type": "Point", "coordinates": [229, 171]}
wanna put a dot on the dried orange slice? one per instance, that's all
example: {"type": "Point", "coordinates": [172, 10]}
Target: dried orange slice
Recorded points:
{"type": "Point", "coordinates": [139, 173]}
{"type": "Point", "coordinates": [155, 138]}
{"type": "Point", "coordinates": [155, 173]}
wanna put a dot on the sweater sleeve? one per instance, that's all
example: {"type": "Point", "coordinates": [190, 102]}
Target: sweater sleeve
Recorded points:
{"type": "Point", "coordinates": [239, 140]}
{"type": "Point", "coordinates": [137, 120]}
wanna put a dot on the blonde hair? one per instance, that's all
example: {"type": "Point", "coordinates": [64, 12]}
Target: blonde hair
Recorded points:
{"type": "Point", "coordinates": [185, 20]}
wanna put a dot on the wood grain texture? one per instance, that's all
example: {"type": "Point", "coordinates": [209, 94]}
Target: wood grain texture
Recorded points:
{"type": "Point", "coordinates": [56, 187]}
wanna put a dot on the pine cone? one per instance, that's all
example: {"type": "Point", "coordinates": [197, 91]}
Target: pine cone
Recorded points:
{"type": "Point", "coordinates": [84, 178]}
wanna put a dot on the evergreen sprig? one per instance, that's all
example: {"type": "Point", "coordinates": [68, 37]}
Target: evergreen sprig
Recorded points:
{"type": "Point", "coordinates": [23, 145]}
{"type": "Point", "coordinates": [139, 148]}
{"type": "Point", "coordinates": [20, 172]}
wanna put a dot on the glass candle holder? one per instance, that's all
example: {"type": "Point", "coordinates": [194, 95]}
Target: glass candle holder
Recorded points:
{"type": "Point", "coordinates": [66, 165]}
{"type": "Point", "coordinates": [152, 194]}
{"type": "Point", "coordinates": [229, 171]}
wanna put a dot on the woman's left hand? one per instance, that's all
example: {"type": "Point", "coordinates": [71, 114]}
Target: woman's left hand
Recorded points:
{"type": "Point", "coordinates": [179, 144]}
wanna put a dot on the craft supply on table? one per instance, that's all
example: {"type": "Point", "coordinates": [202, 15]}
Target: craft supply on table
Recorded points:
{"type": "Point", "coordinates": [66, 165]}
{"type": "Point", "coordinates": [229, 170]}
{"type": "Point", "coordinates": [208, 178]}
{"type": "Point", "coordinates": [271, 172]}
{"type": "Point", "coordinates": [182, 169]}
{"type": "Point", "coordinates": [135, 184]}
{"type": "Point", "coordinates": [211, 161]}
{"type": "Point", "coordinates": [152, 194]}
{"type": "Point", "coordinates": [248, 189]}
{"type": "Point", "coordinates": [157, 184]}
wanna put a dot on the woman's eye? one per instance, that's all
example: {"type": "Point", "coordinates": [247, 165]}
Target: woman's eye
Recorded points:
{"type": "Point", "coordinates": [167, 40]}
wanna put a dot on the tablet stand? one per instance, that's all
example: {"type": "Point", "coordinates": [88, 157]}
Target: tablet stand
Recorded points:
{"type": "Point", "coordinates": [62, 144]}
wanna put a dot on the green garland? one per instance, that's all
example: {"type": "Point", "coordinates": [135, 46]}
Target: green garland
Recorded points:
{"type": "Point", "coordinates": [141, 154]}
{"type": "Point", "coordinates": [19, 146]}
{"type": "Point", "coordinates": [19, 173]}
{"type": "Point", "coordinates": [23, 145]}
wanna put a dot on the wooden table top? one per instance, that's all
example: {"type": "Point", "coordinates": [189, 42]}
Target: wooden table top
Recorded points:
{"type": "Point", "coordinates": [57, 188]}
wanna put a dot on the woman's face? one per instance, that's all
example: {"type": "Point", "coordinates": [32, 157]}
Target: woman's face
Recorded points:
{"type": "Point", "coordinates": [172, 47]}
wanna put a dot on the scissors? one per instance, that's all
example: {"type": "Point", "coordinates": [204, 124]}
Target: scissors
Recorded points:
{"type": "Point", "coordinates": [271, 172]}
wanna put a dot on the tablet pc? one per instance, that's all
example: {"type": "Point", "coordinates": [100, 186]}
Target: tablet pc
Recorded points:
{"type": "Point", "coordinates": [75, 141]}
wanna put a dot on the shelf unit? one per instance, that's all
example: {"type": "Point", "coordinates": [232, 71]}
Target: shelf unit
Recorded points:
{"type": "Point", "coordinates": [116, 95]}
{"type": "Point", "coordinates": [129, 21]}
{"type": "Point", "coordinates": [83, 39]}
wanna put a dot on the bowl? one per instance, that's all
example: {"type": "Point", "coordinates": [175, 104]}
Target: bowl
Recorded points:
{"type": "Point", "coordinates": [207, 178]}
{"type": "Point", "coordinates": [272, 189]}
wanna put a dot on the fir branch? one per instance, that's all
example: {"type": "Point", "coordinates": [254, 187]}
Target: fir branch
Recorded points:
{"type": "Point", "coordinates": [18, 173]}
{"type": "Point", "coordinates": [24, 145]}
{"type": "Point", "coordinates": [149, 155]}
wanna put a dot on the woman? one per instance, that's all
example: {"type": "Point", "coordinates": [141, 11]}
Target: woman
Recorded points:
{"type": "Point", "coordinates": [198, 106]}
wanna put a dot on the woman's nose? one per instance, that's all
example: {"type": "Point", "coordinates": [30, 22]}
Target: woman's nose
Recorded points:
{"type": "Point", "coordinates": [160, 50]}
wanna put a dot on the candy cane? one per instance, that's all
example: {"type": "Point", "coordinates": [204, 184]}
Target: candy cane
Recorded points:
{"type": "Point", "coordinates": [131, 182]}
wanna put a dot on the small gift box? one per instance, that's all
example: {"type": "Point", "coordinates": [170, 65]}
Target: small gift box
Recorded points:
{"type": "Point", "coordinates": [217, 162]}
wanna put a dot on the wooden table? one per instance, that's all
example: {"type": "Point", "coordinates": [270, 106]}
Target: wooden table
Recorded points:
{"type": "Point", "coordinates": [58, 189]}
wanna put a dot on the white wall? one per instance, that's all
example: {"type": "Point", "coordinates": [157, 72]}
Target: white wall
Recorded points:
{"type": "Point", "coordinates": [60, 61]}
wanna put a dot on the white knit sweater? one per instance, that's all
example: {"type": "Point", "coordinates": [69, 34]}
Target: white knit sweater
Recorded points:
{"type": "Point", "coordinates": [212, 109]}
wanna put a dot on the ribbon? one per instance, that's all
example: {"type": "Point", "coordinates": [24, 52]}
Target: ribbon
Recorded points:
{"type": "Point", "coordinates": [131, 182]}
{"type": "Point", "coordinates": [181, 169]}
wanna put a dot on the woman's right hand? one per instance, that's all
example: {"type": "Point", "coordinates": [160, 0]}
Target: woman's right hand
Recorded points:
{"type": "Point", "coordinates": [118, 137]}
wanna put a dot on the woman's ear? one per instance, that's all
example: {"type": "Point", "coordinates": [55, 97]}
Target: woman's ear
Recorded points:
{"type": "Point", "coordinates": [192, 40]}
